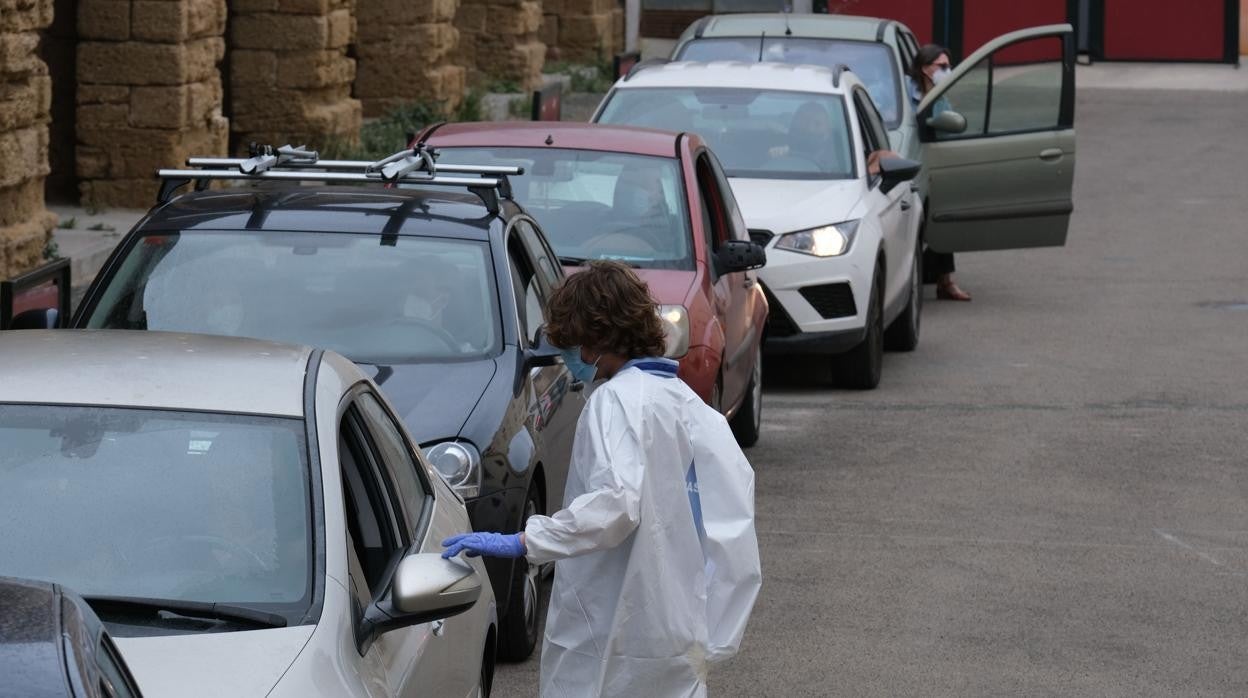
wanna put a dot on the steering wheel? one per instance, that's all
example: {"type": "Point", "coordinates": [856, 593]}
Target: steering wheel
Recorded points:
{"type": "Point", "coordinates": [438, 333]}
{"type": "Point", "coordinates": [805, 158]}
{"type": "Point", "coordinates": [642, 234]}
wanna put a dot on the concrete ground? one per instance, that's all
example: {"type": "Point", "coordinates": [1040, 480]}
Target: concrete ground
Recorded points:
{"type": "Point", "coordinates": [1049, 497]}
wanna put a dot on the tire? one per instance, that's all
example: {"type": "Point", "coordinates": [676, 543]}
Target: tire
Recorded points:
{"type": "Point", "coordinates": [860, 368]}
{"type": "Point", "coordinates": [747, 422]}
{"type": "Point", "coordinates": [485, 683]}
{"type": "Point", "coordinates": [517, 634]}
{"type": "Point", "coordinates": [903, 334]}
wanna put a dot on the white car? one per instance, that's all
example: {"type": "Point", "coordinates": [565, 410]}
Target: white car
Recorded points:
{"type": "Point", "coordinates": [842, 243]}
{"type": "Point", "coordinates": [247, 518]}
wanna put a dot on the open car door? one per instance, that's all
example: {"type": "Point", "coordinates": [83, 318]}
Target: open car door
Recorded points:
{"type": "Point", "coordinates": [999, 144]}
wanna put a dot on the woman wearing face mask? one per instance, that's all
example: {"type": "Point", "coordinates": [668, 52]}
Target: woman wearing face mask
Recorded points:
{"type": "Point", "coordinates": [657, 563]}
{"type": "Point", "coordinates": [931, 67]}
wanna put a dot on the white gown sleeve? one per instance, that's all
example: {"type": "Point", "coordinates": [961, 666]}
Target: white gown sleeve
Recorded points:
{"type": "Point", "coordinates": [609, 458]}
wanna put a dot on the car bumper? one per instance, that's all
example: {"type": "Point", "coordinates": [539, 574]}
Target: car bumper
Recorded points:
{"type": "Point", "coordinates": [818, 305]}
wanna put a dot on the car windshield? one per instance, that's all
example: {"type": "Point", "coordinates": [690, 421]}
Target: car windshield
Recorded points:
{"type": "Point", "coordinates": [373, 298]}
{"type": "Point", "coordinates": [766, 134]}
{"type": "Point", "coordinates": [597, 205]}
{"type": "Point", "coordinates": [873, 63]}
{"type": "Point", "coordinates": [178, 505]}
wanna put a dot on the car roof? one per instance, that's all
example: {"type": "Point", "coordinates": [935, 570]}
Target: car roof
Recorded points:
{"type": "Point", "coordinates": [30, 653]}
{"type": "Point", "coordinates": [338, 209]}
{"type": "Point", "coordinates": [576, 136]}
{"type": "Point", "coordinates": [815, 26]}
{"type": "Point", "coordinates": [164, 370]}
{"type": "Point", "coordinates": [759, 76]}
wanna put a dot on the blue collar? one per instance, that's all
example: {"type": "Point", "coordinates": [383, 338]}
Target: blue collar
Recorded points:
{"type": "Point", "coordinates": [655, 366]}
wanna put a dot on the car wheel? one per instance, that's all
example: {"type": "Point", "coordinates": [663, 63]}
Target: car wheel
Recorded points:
{"type": "Point", "coordinates": [903, 334]}
{"type": "Point", "coordinates": [860, 367]}
{"type": "Point", "coordinates": [485, 684]}
{"type": "Point", "coordinates": [518, 631]}
{"type": "Point", "coordinates": [747, 422]}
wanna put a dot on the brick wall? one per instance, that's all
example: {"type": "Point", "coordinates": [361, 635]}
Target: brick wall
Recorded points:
{"type": "Point", "coordinates": [498, 39]}
{"type": "Point", "coordinates": [149, 93]}
{"type": "Point", "coordinates": [582, 30]}
{"type": "Point", "coordinates": [25, 97]}
{"type": "Point", "coordinates": [289, 72]}
{"type": "Point", "coordinates": [404, 51]}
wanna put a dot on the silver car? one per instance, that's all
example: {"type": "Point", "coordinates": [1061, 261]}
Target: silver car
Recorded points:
{"type": "Point", "coordinates": [247, 518]}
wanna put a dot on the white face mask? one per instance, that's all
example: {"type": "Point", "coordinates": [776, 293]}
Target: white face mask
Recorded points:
{"type": "Point", "coordinates": [940, 76]}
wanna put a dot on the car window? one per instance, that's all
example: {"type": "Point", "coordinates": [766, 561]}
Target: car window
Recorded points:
{"type": "Point", "coordinates": [530, 298]}
{"type": "Point", "coordinates": [113, 679]}
{"type": "Point", "coordinates": [874, 137]}
{"type": "Point", "coordinates": [736, 222]}
{"type": "Point", "coordinates": [547, 269]}
{"type": "Point", "coordinates": [872, 62]}
{"type": "Point", "coordinates": [375, 299]}
{"type": "Point", "coordinates": [394, 450]}
{"type": "Point", "coordinates": [199, 506]}
{"type": "Point", "coordinates": [1015, 89]}
{"type": "Point", "coordinates": [712, 203]}
{"type": "Point", "coordinates": [599, 205]}
{"type": "Point", "coordinates": [766, 134]}
{"type": "Point", "coordinates": [372, 527]}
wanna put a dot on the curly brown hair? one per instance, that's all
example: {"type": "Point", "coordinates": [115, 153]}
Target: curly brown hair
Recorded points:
{"type": "Point", "coordinates": [606, 308]}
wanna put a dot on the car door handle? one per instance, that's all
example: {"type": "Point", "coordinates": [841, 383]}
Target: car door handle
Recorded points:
{"type": "Point", "coordinates": [1051, 154]}
{"type": "Point", "coordinates": [439, 628]}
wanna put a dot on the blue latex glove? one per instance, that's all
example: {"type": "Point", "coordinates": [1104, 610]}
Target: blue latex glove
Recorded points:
{"type": "Point", "coordinates": [489, 544]}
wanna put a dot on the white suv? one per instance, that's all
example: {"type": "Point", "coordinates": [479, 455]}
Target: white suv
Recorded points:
{"type": "Point", "coordinates": [842, 239]}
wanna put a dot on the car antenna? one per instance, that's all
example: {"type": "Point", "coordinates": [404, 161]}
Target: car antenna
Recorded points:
{"type": "Point", "coordinates": [761, 39]}
{"type": "Point", "coordinates": [788, 31]}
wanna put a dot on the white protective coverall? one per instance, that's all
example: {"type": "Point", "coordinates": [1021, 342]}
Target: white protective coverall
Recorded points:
{"type": "Point", "coordinates": [644, 595]}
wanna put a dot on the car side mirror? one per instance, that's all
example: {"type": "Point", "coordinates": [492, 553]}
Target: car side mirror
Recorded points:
{"type": "Point", "coordinates": [542, 353]}
{"type": "Point", "coordinates": [894, 171]}
{"type": "Point", "coordinates": [37, 319]}
{"type": "Point", "coordinates": [740, 255]}
{"type": "Point", "coordinates": [424, 588]}
{"type": "Point", "coordinates": [948, 121]}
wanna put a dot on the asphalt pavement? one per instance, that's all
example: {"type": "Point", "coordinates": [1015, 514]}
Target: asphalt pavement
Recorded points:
{"type": "Point", "coordinates": [1050, 496]}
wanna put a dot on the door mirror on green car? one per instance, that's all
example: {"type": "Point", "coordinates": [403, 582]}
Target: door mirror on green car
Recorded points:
{"type": "Point", "coordinates": [947, 121]}
{"type": "Point", "coordinates": [894, 171]}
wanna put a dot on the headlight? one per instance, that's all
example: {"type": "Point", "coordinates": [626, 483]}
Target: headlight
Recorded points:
{"type": "Point", "coordinates": [675, 330]}
{"type": "Point", "coordinates": [825, 241]}
{"type": "Point", "coordinates": [459, 464]}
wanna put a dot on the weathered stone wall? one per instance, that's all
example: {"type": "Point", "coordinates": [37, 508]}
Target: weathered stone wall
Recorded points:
{"type": "Point", "coordinates": [25, 98]}
{"type": "Point", "coordinates": [290, 75]}
{"type": "Point", "coordinates": [404, 53]}
{"type": "Point", "coordinates": [498, 40]}
{"type": "Point", "coordinates": [582, 30]}
{"type": "Point", "coordinates": [149, 93]}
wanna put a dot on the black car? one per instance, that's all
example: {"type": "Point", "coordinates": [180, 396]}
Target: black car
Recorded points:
{"type": "Point", "coordinates": [52, 645]}
{"type": "Point", "coordinates": [439, 290]}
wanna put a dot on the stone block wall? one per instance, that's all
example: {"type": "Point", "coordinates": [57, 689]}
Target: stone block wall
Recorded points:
{"type": "Point", "coordinates": [404, 52]}
{"type": "Point", "coordinates": [149, 93]}
{"type": "Point", "coordinates": [582, 30]}
{"type": "Point", "coordinates": [498, 40]}
{"type": "Point", "coordinates": [25, 99]}
{"type": "Point", "coordinates": [289, 72]}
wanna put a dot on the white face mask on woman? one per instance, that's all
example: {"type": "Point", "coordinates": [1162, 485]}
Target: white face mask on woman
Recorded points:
{"type": "Point", "coordinates": [940, 76]}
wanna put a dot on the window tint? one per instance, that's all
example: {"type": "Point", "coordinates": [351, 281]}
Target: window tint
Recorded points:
{"type": "Point", "coordinates": [549, 271]}
{"type": "Point", "coordinates": [766, 134]}
{"type": "Point", "coordinates": [371, 525]}
{"type": "Point", "coordinates": [529, 296]}
{"type": "Point", "coordinates": [872, 62]}
{"type": "Point", "coordinates": [712, 204]}
{"type": "Point", "coordinates": [599, 205]}
{"type": "Point", "coordinates": [372, 298]}
{"type": "Point", "coordinates": [1017, 88]}
{"type": "Point", "coordinates": [735, 221]}
{"type": "Point", "coordinates": [393, 449]}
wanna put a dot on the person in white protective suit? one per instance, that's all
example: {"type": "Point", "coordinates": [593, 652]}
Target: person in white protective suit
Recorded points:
{"type": "Point", "coordinates": [657, 563]}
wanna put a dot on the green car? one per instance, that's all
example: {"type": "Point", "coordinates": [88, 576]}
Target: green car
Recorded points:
{"type": "Point", "coordinates": [999, 157]}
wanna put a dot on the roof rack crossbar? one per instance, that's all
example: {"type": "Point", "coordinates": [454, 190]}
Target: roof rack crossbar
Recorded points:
{"type": "Point", "coordinates": [836, 73]}
{"type": "Point", "coordinates": [353, 165]}
{"type": "Point", "coordinates": [284, 175]}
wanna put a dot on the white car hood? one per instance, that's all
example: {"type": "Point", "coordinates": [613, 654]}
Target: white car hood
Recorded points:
{"type": "Point", "coordinates": [785, 205]}
{"type": "Point", "coordinates": [244, 663]}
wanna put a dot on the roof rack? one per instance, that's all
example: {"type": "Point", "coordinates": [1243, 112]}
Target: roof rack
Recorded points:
{"type": "Point", "coordinates": [417, 165]}
{"type": "Point", "coordinates": [836, 73]}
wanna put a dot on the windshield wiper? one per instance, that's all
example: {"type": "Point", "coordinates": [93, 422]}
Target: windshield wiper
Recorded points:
{"type": "Point", "coordinates": [189, 609]}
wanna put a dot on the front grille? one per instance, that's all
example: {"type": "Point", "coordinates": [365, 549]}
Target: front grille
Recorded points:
{"type": "Point", "coordinates": [779, 324]}
{"type": "Point", "coordinates": [831, 300]}
{"type": "Point", "coordinates": [762, 237]}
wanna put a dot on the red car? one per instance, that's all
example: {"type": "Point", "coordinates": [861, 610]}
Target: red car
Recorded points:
{"type": "Point", "coordinates": [658, 201]}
